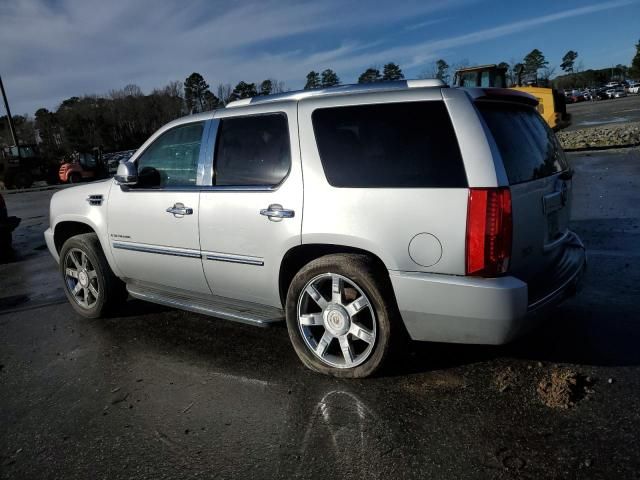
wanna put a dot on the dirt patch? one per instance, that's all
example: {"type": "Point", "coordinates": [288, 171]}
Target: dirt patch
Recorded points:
{"type": "Point", "coordinates": [563, 387]}
{"type": "Point", "coordinates": [505, 379]}
{"type": "Point", "coordinates": [444, 381]}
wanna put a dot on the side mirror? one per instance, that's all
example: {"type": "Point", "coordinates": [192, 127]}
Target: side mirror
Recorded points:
{"type": "Point", "coordinates": [127, 173]}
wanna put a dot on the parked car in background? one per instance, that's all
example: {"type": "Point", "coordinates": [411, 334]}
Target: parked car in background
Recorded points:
{"type": "Point", "coordinates": [7, 226]}
{"type": "Point", "coordinates": [112, 160]}
{"type": "Point", "coordinates": [438, 212]}
{"type": "Point", "coordinates": [634, 87]}
{"type": "Point", "coordinates": [619, 93]}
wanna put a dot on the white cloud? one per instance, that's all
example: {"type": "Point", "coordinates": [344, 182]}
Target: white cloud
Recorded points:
{"type": "Point", "coordinates": [52, 50]}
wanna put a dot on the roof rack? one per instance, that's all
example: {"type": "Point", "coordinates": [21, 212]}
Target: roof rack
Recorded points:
{"type": "Point", "coordinates": [341, 89]}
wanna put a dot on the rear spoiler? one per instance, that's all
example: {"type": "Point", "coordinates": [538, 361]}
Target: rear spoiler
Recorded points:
{"type": "Point", "coordinates": [502, 94]}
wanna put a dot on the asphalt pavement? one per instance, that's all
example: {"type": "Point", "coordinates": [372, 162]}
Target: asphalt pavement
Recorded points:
{"type": "Point", "coordinates": [158, 393]}
{"type": "Point", "coordinates": [614, 111]}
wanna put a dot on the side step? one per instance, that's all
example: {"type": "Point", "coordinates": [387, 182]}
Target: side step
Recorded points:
{"type": "Point", "coordinates": [220, 307]}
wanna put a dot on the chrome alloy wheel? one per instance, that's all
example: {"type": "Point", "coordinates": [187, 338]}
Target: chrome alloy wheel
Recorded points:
{"type": "Point", "coordinates": [336, 320]}
{"type": "Point", "coordinates": [81, 278]}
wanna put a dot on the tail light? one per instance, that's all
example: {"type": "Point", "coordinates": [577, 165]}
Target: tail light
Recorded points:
{"type": "Point", "coordinates": [488, 231]}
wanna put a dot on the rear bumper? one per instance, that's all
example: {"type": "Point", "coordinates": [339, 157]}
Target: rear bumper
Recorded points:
{"type": "Point", "coordinates": [492, 311]}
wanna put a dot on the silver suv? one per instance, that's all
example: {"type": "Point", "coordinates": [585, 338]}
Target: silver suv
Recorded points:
{"type": "Point", "coordinates": [359, 214]}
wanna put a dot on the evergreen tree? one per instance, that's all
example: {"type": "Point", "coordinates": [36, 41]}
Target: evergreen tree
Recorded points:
{"type": "Point", "coordinates": [370, 75]}
{"type": "Point", "coordinates": [442, 69]}
{"type": "Point", "coordinates": [392, 71]}
{"type": "Point", "coordinates": [329, 78]}
{"type": "Point", "coordinates": [634, 71]}
{"type": "Point", "coordinates": [534, 61]}
{"type": "Point", "coordinates": [568, 61]}
{"type": "Point", "coordinates": [194, 89]}
{"type": "Point", "coordinates": [313, 80]}
{"type": "Point", "coordinates": [210, 101]}
{"type": "Point", "coordinates": [243, 90]}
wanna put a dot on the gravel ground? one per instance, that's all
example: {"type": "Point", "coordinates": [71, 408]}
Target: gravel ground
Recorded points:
{"type": "Point", "coordinates": [627, 134]}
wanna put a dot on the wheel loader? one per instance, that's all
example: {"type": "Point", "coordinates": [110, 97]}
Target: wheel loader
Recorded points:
{"type": "Point", "coordinates": [551, 102]}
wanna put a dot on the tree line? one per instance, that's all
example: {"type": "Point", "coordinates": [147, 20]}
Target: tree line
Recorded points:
{"type": "Point", "coordinates": [123, 119]}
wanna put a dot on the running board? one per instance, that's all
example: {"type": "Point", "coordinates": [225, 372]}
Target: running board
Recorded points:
{"type": "Point", "coordinates": [220, 307]}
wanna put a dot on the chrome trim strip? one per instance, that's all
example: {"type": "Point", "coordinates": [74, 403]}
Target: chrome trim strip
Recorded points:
{"type": "Point", "coordinates": [227, 257]}
{"type": "Point", "coordinates": [158, 250]}
{"type": "Point", "coordinates": [206, 188]}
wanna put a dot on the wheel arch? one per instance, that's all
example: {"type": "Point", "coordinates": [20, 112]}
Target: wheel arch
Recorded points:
{"type": "Point", "coordinates": [64, 230]}
{"type": "Point", "coordinates": [298, 256]}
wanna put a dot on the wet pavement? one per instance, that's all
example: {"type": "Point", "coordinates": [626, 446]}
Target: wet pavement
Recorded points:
{"type": "Point", "coordinates": [157, 393]}
{"type": "Point", "coordinates": [615, 111]}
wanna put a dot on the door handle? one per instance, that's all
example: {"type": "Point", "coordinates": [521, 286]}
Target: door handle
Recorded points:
{"type": "Point", "coordinates": [180, 209]}
{"type": "Point", "coordinates": [276, 213]}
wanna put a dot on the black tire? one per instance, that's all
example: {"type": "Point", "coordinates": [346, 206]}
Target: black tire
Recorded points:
{"type": "Point", "coordinates": [374, 282]}
{"type": "Point", "coordinates": [111, 290]}
{"type": "Point", "coordinates": [75, 178]}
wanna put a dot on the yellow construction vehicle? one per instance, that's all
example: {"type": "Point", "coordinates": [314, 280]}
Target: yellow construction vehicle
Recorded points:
{"type": "Point", "coordinates": [551, 103]}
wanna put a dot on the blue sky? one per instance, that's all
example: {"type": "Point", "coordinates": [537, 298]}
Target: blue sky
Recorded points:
{"type": "Point", "coordinates": [54, 49]}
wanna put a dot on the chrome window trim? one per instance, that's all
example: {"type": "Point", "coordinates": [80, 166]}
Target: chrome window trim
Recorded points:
{"type": "Point", "coordinates": [206, 188]}
{"type": "Point", "coordinates": [136, 247]}
{"type": "Point", "coordinates": [207, 154]}
{"type": "Point", "coordinates": [201, 175]}
{"type": "Point", "coordinates": [231, 258]}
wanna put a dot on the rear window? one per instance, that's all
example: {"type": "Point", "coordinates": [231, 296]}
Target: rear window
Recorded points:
{"type": "Point", "coordinates": [393, 145]}
{"type": "Point", "coordinates": [528, 147]}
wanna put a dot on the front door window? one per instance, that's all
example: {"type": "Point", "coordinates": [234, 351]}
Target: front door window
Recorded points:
{"type": "Point", "coordinates": [172, 159]}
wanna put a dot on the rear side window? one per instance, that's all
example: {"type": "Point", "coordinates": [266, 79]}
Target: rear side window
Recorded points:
{"type": "Point", "coordinates": [391, 145]}
{"type": "Point", "coordinates": [528, 147]}
{"type": "Point", "coordinates": [252, 150]}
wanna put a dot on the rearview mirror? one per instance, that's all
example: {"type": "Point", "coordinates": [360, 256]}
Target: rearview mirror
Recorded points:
{"type": "Point", "coordinates": [127, 173]}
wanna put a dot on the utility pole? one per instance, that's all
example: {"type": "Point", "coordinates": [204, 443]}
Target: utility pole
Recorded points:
{"type": "Point", "coordinates": [11, 127]}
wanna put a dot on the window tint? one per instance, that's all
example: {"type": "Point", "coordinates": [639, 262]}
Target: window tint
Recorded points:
{"type": "Point", "coordinates": [252, 150]}
{"type": "Point", "coordinates": [528, 147]}
{"type": "Point", "coordinates": [172, 160]}
{"type": "Point", "coordinates": [389, 145]}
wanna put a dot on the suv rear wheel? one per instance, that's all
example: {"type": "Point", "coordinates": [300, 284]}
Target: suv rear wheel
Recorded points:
{"type": "Point", "coordinates": [341, 314]}
{"type": "Point", "coordinates": [90, 285]}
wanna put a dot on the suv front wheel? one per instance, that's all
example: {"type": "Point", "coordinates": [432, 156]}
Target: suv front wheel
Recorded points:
{"type": "Point", "coordinates": [340, 313]}
{"type": "Point", "coordinates": [90, 285]}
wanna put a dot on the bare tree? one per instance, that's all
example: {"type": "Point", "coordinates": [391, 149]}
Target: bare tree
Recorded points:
{"type": "Point", "coordinates": [132, 90]}
{"type": "Point", "coordinates": [224, 93]}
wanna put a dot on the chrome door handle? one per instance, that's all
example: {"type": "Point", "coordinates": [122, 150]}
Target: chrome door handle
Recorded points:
{"type": "Point", "coordinates": [275, 212]}
{"type": "Point", "coordinates": [180, 209]}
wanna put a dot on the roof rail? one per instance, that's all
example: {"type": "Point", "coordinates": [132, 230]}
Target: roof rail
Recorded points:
{"type": "Point", "coordinates": [341, 89]}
